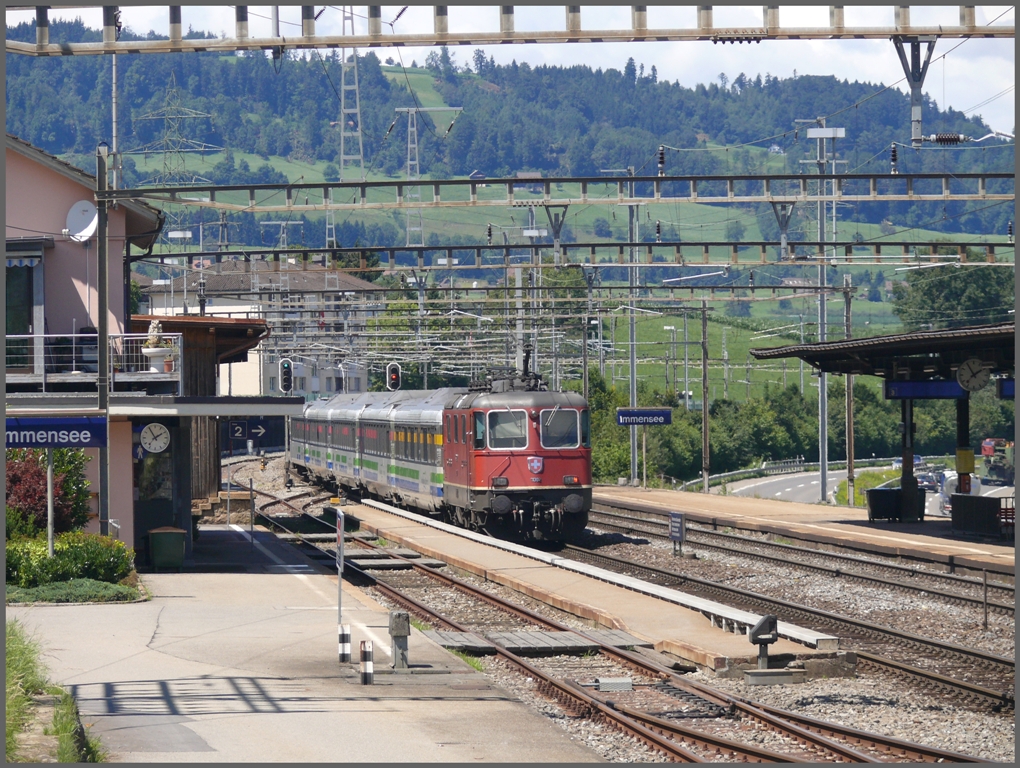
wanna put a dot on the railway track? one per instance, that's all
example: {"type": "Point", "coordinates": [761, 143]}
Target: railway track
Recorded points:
{"type": "Point", "coordinates": [843, 567]}
{"type": "Point", "coordinates": [659, 724]}
{"type": "Point", "coordinates": [996, 672]}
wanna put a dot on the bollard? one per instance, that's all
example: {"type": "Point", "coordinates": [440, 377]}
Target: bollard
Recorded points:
{"type": "Point", "coordinates": [400, 628]}
{"type": "Point", "coordinates": [344, 631]}
{"type": "Point", "coordinates": [367, 668]}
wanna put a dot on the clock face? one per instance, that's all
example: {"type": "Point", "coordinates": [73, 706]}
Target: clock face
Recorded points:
{"type": "Point", "coordinates": [972, 375]}
{"type": "Point", "coordinates": [155, 438]}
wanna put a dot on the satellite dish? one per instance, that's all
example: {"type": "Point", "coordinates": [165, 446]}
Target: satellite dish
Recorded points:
{"type": "Point", "coordinates": [82, 221]}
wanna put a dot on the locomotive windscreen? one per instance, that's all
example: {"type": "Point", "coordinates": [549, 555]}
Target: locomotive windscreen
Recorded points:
{"type": "Point", "coordinates": [559, 428]}
{"type": "Point", "coordinates": [508, 429]}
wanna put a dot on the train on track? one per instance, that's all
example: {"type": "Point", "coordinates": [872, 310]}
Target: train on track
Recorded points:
{"type": "Point", "coordinates": [505, 456]}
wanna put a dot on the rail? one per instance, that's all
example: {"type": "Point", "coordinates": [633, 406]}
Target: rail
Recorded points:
{"type": "Point", "coordinates": [670, 737]}
{"type": "Point", "coordinates": [46, 360]}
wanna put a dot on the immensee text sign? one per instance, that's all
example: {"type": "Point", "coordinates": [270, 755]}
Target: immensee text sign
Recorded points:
{"type": "Point", "coordinates": [626, 417]}
{"type": "Point", "coordinates": [57, 432]}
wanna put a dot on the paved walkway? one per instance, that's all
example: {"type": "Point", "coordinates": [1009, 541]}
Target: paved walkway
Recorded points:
{"type": "Point", "coordinates": [242, 667]}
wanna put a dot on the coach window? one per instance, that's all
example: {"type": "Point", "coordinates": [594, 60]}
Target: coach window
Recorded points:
{"type": "Point", "coordinates": [585, 429]}
{"type": "Point", "coordinates": [479, 429]}
{"type": "Point", "coordinates": [508, 429]}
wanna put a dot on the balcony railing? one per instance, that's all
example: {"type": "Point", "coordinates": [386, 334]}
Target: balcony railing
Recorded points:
{"type": "Point", "coordinates": [57, 362]}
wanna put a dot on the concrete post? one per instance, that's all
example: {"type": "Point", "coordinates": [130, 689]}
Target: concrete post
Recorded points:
{"type": "Point", "coordinates": [367, 666]}
{"type": "Point", "coordinates": [400, 628]}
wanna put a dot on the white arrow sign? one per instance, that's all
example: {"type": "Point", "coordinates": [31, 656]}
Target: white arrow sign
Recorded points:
{"type": "Point", "coordinates": [258, 431]}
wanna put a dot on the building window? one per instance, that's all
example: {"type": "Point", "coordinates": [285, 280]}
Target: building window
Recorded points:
{"type": "Point", "coordinates": [272, 383]}
{"type": "Point", "coordinates": [329, 383]}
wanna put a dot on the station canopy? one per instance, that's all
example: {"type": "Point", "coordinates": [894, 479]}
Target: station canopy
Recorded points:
{"type": "Point", "coordinates": [915, 356]}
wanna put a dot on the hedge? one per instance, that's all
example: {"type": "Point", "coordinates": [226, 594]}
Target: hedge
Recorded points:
{"type": "Point", "coordinates": [76, 556]}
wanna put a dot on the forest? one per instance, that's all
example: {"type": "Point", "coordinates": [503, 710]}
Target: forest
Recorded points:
{"type": "Point", "coordinates": [560, 121]}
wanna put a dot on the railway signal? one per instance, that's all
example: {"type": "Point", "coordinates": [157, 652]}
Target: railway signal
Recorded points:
{"type": "Point", "coordinates": [286, 375]}
{"type": "Point", "coordinates": [393, 376]}
{"type": "Point", "coordinates": [662, 160]}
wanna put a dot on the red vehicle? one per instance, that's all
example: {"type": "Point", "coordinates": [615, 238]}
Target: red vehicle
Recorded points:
{"type": "Point", "coordinates": [503, 456]}
{"type": "Point", "coordinates": [518, 462]}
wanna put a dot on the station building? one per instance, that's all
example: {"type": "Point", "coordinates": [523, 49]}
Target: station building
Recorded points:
{"type": "Point", "coordinates": [168, 383]}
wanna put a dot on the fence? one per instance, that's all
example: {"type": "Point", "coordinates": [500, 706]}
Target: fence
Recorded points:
{"type": "Point", "coordinates": [784, 466]}
{"type": "Point", "coordinates": [49, 358]}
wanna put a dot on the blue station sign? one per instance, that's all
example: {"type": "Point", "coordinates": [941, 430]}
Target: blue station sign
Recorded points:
{"type": "Point", "coordinates": [924, 390]}
{"type": "Point", "coordinates": [627, 417]}
{"type": "Point", "coordinates": [55, 432]}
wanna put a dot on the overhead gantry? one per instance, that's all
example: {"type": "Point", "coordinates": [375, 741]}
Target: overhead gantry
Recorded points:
{"type": "Point", "coordinates": [382, 33]}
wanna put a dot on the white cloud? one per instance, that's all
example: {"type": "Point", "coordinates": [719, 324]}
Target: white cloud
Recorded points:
{"type": "Point", "coordinates": [973, 72]}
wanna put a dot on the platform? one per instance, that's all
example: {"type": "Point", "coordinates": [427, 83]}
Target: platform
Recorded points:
{"type": "Point", "coordinates": [235, 660]}
{"type": "Point", "coordinates": [669, 627]}
{"type": "Point", "coordinates": [930, 539]}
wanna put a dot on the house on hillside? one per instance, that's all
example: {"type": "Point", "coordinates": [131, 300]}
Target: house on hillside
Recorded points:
{"type": "Point", "coordinates": [158, 378]}
{"type": "Point", "coordinates": [318, 319]}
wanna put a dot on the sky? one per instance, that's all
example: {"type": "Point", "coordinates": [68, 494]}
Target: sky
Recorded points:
{"type": "Point", "coordinates": [976, 77]}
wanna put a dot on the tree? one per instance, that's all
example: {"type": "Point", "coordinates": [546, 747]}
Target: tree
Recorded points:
{"type": "Point", "coordinates": [134, 298]}
{"type": "Point", "coordinates": [601, 227]}
{"type": "Point", "coordinates": [735, 231]}
{"type": "Point", "coordinates": [947, 297]}
{"type": "Point", "coordinates": [630, 71]}
{"type": "Point", "coordinates": [26, 487]}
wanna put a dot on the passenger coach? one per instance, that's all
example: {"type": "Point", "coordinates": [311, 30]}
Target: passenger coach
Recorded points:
{"type": "Point", "coordinates": [509, 457]}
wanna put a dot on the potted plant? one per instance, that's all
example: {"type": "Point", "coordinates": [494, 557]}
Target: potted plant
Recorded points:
{"type": "Point", "coordinates": [157, 348]}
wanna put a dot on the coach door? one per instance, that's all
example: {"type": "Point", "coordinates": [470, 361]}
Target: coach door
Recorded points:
{"type": "Point", "coordinates": [455, 452]}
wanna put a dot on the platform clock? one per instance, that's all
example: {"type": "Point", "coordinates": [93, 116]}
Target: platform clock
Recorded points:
{"type": "Point", "coordinates": [155, 438]}
{"type": "Point", "coordinates": [972, 375]}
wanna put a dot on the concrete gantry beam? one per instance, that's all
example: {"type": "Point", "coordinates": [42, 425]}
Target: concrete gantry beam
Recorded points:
{"type": "Point", "coordinates": [637, 31]}
{"type": "Point", "coordinates": [447, 193]}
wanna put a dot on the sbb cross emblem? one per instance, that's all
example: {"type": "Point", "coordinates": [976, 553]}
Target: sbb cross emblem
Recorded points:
{"type": "Point", "coordinates": [535, 464]}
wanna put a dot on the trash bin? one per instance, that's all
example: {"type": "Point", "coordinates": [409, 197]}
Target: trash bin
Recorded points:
{"type": "Point", "coordinates": [883, 503]}
{"type": "Point", "coordinates": [166, 547]}
{"type": "Point", "coordinates": [919, 509]}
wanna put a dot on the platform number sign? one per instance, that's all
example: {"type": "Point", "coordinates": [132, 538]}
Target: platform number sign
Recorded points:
{"type": "Point", "coordinates": [238, 430]}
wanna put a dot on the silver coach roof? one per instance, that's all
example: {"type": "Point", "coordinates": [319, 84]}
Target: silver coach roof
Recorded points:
{"type": "Point", "coordinates": [414, 406]}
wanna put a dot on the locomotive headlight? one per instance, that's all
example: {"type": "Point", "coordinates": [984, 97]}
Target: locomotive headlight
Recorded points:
{"type": "Point", "coordinates": [570, 480]}
{"type": "Point", "coordinates": [500, 482]}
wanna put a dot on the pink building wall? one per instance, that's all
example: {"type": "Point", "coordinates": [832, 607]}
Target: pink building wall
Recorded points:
{"type": "Point", "coordinates": [38, 198]}
{"type": "Point", "coordinates": [122, 504]}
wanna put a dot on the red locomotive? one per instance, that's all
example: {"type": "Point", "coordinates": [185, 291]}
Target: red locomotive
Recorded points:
{"type": "Point", "coordinates": [507, 457]}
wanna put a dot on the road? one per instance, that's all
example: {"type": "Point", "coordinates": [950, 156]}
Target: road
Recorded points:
{"type": "Point", "coordinates": [804, 487]}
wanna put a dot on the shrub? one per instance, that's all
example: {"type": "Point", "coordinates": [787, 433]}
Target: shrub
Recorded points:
{"type": "Point", "coordinates": [75, 555]}
{"type": "Point", "coordinates": [97, 557]}
{"type": "Point", "coordinates": [20, 525]}
{"type": "Point", "coordinates": [73, 591]}
{"type": "Point", "coordinates": [26, 486]}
